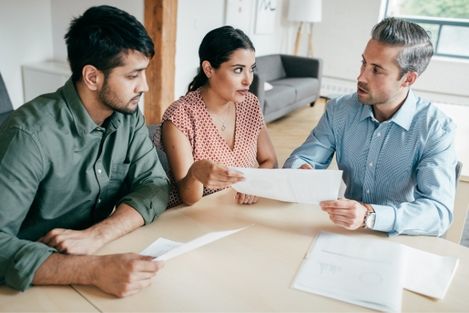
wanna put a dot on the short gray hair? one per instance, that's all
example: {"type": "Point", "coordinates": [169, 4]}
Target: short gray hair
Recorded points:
{"type": "Point", "coordinates": [418, 48]}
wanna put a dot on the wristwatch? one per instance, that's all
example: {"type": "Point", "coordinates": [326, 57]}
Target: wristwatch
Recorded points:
{"type": "Point", "coordinates": [370, 217]}
{"type": "Point", "coordinates": [370, 220]}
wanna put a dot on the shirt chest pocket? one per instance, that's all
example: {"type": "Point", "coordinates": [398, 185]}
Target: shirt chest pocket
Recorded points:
{"type": "Point", "coordinates": [116, 181]}
{"type": "Point", "coordinates": [118, 172]}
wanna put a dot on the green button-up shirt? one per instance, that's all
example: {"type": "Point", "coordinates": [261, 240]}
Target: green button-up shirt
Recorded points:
{"type": "Point", "coordinates": [59, 169]}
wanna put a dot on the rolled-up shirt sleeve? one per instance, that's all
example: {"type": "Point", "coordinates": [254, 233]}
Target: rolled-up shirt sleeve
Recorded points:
{"type": "Point", "coordinates": [318, 149]}
{"type": "Point", "coordinates": [20, 172]}
{"type": "Point", "coordinates": [149, 185]}
{"type": "Point", "coordinates": [20, 260]}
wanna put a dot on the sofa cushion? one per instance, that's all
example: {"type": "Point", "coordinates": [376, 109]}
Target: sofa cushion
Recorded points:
{"type": "Point", "coordinates": [270, 67]}
{"type": "Point", "coordinates": [278, 97]}
{"type": "Point", "coordinates": [305, 87]}
{"type": "Point", "coordinates": [267, 86]}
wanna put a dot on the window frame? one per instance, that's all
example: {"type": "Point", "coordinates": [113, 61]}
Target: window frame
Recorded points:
{"type": "Point", "coordinates": [439, 22]}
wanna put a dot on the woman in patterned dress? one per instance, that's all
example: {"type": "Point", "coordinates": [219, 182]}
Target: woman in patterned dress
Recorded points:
{"type": "Point", "coordinates": [218, 124]}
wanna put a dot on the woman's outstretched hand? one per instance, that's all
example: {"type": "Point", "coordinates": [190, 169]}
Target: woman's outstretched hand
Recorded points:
{"type": "Point", "coordinates": [214, 175]}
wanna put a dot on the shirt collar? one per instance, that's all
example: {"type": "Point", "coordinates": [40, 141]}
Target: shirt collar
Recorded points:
{"type": "Point", "coordinates": [114, 120]}
{"type": "Point", "coordinates": [403, 117]}
{"type": "Point", "coordinates": [367, 112]}
{"type": "Point", "coordinates": [83, 121]}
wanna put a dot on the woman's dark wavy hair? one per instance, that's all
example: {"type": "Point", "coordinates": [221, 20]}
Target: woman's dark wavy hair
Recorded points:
{"type": "Point", "coordinates": [216, 48]}
{"type": "Point", "coordinates": [101, 36]}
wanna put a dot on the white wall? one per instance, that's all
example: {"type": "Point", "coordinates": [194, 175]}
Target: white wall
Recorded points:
{"type": "Point", "coordinates": [343, 33]}
{"type": "Point", "coordinates": [341, 36]}
{"type": "Point", "coordinates": [446, 76]}
{"type": "Point", "coordinates": [339, 39]}
{"type": "Point", "coordinates": [26, 34]}
{"type": "Point", "coordinates": [278, 40]}
{"type": "Point", "coordinates": [196, 18]}
{"type": "Point", "coordinates": [34, 30]}
{"type": "Point", "coordinates": [64, 10]}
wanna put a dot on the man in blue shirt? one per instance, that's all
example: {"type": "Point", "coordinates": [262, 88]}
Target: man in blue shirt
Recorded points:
{"type": "Point", "coordinates": [395, 149]}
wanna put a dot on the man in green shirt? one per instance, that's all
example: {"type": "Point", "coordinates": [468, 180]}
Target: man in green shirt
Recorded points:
{"type": "Point", "coordinates": [68, 158]}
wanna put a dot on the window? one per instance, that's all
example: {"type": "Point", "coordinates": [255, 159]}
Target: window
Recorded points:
{"type": "Point", "coordinates": [447, 22]}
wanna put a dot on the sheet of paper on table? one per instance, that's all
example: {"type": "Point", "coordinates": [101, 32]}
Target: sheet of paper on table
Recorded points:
{"type": "Point", "coordinates": [427, 273]}
{"type": "Point", "coordinates": [291, 185]}
{"type": "Point", "coordinates": [371, 272]}
{"type": "Point", "coordinates": [164, 249]}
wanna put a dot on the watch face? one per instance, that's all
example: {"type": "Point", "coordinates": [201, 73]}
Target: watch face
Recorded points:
{"type": "Point", "coordinates": [370, 220]}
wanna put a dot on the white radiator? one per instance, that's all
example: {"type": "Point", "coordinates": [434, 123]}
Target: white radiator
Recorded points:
{"type": "Point", "coordinates": [334, 87]}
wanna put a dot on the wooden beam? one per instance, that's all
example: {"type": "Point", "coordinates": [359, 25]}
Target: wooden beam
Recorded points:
{"type": "Point", "coordinates": [160, 19]}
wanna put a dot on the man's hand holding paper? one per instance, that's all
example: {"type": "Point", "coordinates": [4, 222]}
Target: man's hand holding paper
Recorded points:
{"type": "Point", "coordinates": [346, 213]}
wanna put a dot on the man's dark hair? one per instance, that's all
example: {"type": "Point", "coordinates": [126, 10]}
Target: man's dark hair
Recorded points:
{"type": "Point", "coordinates": [101, 36]}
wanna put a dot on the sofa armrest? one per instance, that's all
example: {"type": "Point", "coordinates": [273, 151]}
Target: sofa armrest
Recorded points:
{"type": "Point", "coordinates": [296, 66]}
{"type": "Point", "coordinates": [257, 88]}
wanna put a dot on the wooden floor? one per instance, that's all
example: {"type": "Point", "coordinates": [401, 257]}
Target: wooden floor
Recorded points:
{"type": "Point", "coordinates": [290, 131]}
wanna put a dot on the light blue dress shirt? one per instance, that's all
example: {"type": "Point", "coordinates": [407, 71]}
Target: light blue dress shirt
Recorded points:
{"type": "Point", "coordinates": [404, 167]}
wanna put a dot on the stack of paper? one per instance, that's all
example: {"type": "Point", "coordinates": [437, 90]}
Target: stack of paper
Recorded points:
{"type": "Point", "coordinates": [372, 273]}
{"type": "Point", "coordinates": [290, 185]}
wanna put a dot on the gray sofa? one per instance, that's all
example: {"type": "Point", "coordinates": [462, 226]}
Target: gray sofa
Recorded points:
{"type": "Point", "coordinates": [296, 82]}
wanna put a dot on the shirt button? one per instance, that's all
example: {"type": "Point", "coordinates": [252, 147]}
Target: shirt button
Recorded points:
{"type": "Point", "coordinates": [99, 200]}
{"type": "Point", "coordinates": [99, 171]}
{"type": "Point", "coordinates": [371, 164]}
{"type": "Point", "coordinates": [378, 134]}
{"type": "Point", "coordinates": [368, 191]}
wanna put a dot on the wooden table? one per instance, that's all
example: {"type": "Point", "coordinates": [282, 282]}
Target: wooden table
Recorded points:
{"type": "Point", "coordinates": [253, 270]}
{"type": "Point", "coordinates": [44, 299]}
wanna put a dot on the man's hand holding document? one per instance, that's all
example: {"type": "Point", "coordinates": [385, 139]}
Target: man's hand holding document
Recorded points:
{"type": "Point", "coordinates": [290, 185]}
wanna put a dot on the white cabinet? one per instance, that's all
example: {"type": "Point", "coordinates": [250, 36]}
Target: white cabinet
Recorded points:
{"type": "Point", "coordinates": [43, 77]}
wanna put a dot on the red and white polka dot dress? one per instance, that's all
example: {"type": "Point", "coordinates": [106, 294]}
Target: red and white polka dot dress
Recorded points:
{"type": "Point", "coordinates": [189, 114]}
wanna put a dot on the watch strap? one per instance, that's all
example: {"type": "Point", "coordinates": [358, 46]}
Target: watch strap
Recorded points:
{"type": "Point", "coordinates": [369, 211]}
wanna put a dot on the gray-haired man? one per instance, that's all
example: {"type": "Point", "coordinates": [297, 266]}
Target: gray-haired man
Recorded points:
{"type": "Point", "coordinates": [396, 149]}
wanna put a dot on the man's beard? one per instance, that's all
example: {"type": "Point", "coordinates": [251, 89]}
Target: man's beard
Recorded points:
{"type": "Point", "coordinates": [109, 99]}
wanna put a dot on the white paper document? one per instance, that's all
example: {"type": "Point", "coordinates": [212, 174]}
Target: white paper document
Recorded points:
{"type": "Point", "coordinates": [427, 273]}
{"type": "Point", "coordinates": [164, 249]}
{"type": "Point", "coordinates": [371, 272]}
{"type": "Point", "coordinates": [342, 268]}
{"type": "Point", "coordinates": [290, 185]}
